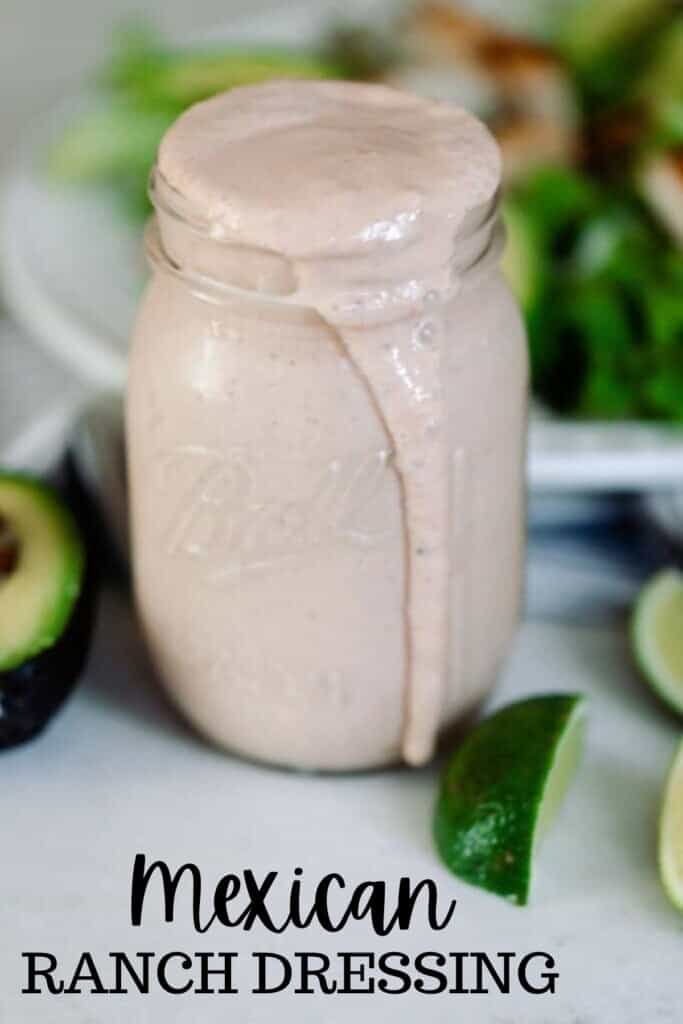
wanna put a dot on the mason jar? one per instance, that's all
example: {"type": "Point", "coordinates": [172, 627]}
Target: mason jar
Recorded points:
{"type": "Point", "coordinates": [273, 569]}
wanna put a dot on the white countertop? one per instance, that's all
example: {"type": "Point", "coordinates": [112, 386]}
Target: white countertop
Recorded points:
{"type": "Point", "coordinates": [117, 774]}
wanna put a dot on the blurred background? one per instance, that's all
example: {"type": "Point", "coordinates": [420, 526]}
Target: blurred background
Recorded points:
{"type": "Point", "coordinates": [586, 100]}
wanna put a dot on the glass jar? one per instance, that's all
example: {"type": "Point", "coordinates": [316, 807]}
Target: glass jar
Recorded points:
{"type": "Point", "coordinates": [271, 559]}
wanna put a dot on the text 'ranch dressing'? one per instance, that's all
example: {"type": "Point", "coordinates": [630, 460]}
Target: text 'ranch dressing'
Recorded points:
{"type": "Point", "coordinates": [353, 200]}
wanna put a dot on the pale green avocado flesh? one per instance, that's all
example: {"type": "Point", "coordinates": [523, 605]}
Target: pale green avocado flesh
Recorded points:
{"type": "Point", "coordinates": [41, 569]}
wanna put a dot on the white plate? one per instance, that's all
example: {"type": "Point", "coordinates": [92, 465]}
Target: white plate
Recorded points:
{"type": "Point", "coordinates": [73, 270]}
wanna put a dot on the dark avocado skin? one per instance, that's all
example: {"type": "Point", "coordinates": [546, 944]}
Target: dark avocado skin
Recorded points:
{"type": "Point", "coordinates": [33, 692]}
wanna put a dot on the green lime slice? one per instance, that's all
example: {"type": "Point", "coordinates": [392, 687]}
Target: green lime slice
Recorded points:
{"type": "Point", "coordinates": [502, 788]}
{"type": "Point", "coordinates": [657, 634]}
{"type": "Point", "coordinates": [671, 833]}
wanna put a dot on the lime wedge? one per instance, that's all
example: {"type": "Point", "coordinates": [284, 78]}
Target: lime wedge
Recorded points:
{"type": "Point", "coordinates": [501, 789]}
{"type": "Point", "coordinates": [671, 833]}
{"type": "Point", "coordinates": [657, 632]}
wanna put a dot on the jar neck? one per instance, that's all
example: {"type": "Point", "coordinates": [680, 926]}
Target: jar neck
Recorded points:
{"type": "Point", "coordinates": [221, 269]}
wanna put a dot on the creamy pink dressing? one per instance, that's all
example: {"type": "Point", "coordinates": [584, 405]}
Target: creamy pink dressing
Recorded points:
{"type": "Point", "coordinates": [327, 480]}
{"type": "Point", "coordinates": [366, 205]}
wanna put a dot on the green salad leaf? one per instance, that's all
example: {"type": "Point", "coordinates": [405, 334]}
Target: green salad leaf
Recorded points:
{"type": "Point", "coordinates": [606, 335]}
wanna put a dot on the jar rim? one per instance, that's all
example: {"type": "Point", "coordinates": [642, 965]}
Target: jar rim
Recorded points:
{"type": "Point", "coordinates": [484, 236]}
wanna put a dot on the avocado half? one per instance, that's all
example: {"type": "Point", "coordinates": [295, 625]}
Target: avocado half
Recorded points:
{"type": "Point", "coordinates": [46, 606]}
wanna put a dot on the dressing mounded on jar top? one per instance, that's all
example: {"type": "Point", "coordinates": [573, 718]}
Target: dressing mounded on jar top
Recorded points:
{"type": "Point", "coordinates": [326, 420]}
